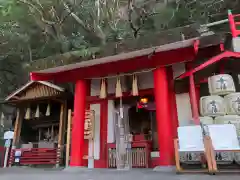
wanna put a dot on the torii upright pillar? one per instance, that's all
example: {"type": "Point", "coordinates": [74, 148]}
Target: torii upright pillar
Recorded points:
{"type": "Point", "coordinates": [163, 117]}
{"type": "Point", "coordinates": [77, 141]}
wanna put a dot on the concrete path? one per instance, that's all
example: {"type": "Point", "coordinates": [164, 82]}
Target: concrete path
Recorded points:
{"type": "Point", "coordinates": [103, 174]}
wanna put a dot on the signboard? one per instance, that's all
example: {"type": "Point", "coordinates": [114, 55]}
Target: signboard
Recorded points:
{"type": "Point", "coordinates": [89, 125]}
{"type": "Point", "coordinates": [7, 143]}
{"type": "Point", "coordinates": [18, 153]}
{"type": "Point", "coordinates": [8, 135]}
{"type": "Point", "coordinates": [17, 156]}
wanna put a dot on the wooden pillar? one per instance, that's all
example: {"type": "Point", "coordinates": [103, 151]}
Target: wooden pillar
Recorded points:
{"type": "Point", "coordinates": [163, 117]}
{"type": "Point", "coordinates": [194, 95]}
{"type": "Point", "coordinates": [103, 133]}
{"type": "Point", "coordinates": [77, 141]}
{"type": "Point", "coordinates": [193, 99]}
{"type": "Point", "coordinates": [198, 96]}
{"type": "Point", "coordinates": [69, 123]}
{"type": "Point", "coordinates": [17, 133]}
{"type": "Point", "coordinates": [173, 103]}
{"type": "Point", "coordinates": [61, 132]}
{"type": "Point", "coordinates": [232, 24]}
{"type": "Point", "coordinates": [17, 127]}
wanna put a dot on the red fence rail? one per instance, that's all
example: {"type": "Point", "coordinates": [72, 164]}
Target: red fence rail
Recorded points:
{"type": "Point", "coordinates": [36, 156]}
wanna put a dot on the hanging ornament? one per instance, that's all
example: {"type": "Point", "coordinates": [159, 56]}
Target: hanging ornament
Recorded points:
{"type": "Point", "coordinates": [118, 88]}
{"type": "Point", "coordinates": [37, 114]}
{"type": "Point", "coordinates": [48, 112]}
{"type": "Point", "coordinates": [103, 90]}
{"type": "Point", "coordinates": [135, 86]}
{"type": "Point", "coordinates": [28, 113]}
{"type": "Point", "coordinates": [52, 133]}
{"type": "Point", "coordinates": [2, 119]}
{"type": "Point", "coordinates": [47, 134]}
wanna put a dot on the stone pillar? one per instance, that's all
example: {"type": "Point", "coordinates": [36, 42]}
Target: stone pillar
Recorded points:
{"type": "Point", "coordinates": [77, 141]}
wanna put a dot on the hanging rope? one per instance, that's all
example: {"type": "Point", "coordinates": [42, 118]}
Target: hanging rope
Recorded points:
{"type": "Point", "coordinates": [124, 74]}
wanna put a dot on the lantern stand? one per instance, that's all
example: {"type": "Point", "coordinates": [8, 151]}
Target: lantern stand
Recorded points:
{"type": "Point", "coordinates": [123, 145]}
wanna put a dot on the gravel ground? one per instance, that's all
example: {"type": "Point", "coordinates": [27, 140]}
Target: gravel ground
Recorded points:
{"type": "Point", "coordinates": [103, 174]}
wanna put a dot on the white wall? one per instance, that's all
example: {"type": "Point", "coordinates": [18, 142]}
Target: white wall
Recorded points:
{"type": "Point", "coordinates": [95, 87]}
{"type": "Point", "coordinates": [94, 146]}
{"type": "Point", "coordinates": [111, 122]}
{"type": "Point", "coordinates": [183, 100]}
{"type": "Point", "coordinates": [184, 109]}
{"type": "Point", "coordinates": [178, 69]}
{"type": "Point", "coordinates": [145, 81]}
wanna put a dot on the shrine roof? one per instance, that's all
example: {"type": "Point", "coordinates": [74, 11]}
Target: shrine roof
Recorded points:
{"type": "Point", "coordinates": [145, 58]}
{"type": "Point", "coordinates": [35, 89]}
{"type": "Point", "coordinates": [122, 56]}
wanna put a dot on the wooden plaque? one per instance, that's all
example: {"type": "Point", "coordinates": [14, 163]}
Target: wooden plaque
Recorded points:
{"type": "Point", "coordinates": [89, 124]}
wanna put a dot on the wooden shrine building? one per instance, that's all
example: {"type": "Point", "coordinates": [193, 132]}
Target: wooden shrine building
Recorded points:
{"type": "Point", "coordinates": [136, 99]}
{"type": "Point", "coordinates": [40, 124]}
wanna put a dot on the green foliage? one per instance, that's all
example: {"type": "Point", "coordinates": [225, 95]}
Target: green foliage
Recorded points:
{"type": "Point", "coordinates": [66, 30]}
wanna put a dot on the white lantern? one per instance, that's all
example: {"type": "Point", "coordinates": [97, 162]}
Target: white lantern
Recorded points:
{"type": "Point", "coordinates": [232, 102]}
{"type": "Point", "coordinates": [221, 84]}
{"type": "Point", "coordinates": [229, 119]}
{"type": "Point", "coordinates": [212, 106]}
{"type": "Point", "coordinates": [206, 120]}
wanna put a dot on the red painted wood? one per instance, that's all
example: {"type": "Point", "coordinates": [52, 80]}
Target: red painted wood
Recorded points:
{"type": "Point", "coordinates": [2, 153]}
{"type": "Point", "coordinates": [77, 142]}
{"type": "Point", "coordinates": [38, 163]}
{"type": "Point", "coordinates": [163, 117]}
{"type": "Point", "coordinates": [100, 163]}
{"type": "Point", "coordinates": [221, 56]}
{"type": "Point", "coordinates": [196, 46]}
{"type": "Point", "coordinates": [38, 156]}
{"type": "Point", "coordinates": [103, 133]}
{"type": "Point", "coordinates": [86, 142]}
{"type": "Point", "coordinates": [154, 162]}
{"type": "Point", "coordinates": [197, 91]}
{"type": "Point", "coordinates": [194, 94]}
{"type": "Point", "coordinates": [193, 100]}
{"type": "Point", "coordinates": [173, 103]}
{"type": "Point", "coordinates": [124, 66]}
{"type": "Point", "coordinates": [232, 24]}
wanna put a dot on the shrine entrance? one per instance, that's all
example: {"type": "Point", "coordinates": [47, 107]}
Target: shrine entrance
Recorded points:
{"type": "Point", "coordinates": [136, 133]}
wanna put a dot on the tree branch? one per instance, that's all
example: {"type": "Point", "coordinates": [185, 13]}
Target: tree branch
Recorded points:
{"type": "Point", "coordinates": [7, 71]}
{"type": "Point", "coordinates": [96, 31]}
{"type": "Point", "coordinates": [142, 14]}
{"type": "Point", "coordinates": [79, 21]}
{"type": "Point", "coordinates": [130, 11]}
{"type": "Point", "coordinates": [30, 5]}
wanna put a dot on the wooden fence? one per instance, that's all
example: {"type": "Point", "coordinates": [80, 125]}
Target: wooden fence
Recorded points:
{"type": "Point", "coordinates": [138, 157]}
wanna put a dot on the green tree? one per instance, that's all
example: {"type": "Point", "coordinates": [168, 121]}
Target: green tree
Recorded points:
{"type": "Point", "coordinates": [69, 30]}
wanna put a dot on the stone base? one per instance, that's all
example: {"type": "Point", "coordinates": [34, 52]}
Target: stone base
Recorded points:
{"type": "Point", "coordinates": [124, 169]}
{"type": "Point", "coordinates": [76, 169]}
{"type": "Point", "coordinates": [164, 169]}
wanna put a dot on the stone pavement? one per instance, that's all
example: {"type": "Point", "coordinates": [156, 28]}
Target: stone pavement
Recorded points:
{"type": "Point", "coordinates": [103, 174]}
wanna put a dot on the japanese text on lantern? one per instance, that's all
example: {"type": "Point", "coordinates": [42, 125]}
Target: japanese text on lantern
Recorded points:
{"type": "Point", "coordinates": [89, 124]}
